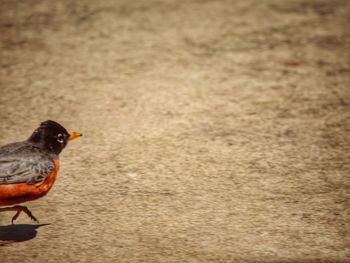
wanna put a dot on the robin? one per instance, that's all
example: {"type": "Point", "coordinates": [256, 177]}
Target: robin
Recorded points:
{"type": "Point", "coordinates": [28, 169]}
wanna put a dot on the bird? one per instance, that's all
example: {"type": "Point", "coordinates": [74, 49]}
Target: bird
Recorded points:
{"type": "Point", "coordinates": [28, 169]}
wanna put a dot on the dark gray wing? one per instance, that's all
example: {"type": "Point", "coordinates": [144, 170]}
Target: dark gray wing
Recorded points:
{"type": "Point", "coordinates": [12, 147]}
{"type": "Point", "coordinates": [24, 168]}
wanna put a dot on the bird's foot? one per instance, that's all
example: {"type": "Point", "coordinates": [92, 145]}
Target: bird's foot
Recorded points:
{"type": "Point", "coordinates": [19, 209]}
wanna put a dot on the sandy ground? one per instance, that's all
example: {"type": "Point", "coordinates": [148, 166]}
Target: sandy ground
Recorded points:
{"type": "Point", "coordinates": [214, 131]}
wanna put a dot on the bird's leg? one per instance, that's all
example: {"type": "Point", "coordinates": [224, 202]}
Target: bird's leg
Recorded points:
{"type": "Point", "coordinates": [19, 209]}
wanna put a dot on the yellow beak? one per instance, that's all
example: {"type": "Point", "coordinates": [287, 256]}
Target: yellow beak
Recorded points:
{"type": "Point", "coordinates": [74, 135]}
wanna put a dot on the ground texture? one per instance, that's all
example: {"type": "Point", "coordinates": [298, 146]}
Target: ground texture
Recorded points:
{"type": "Point", "coordinates": [214, 131]}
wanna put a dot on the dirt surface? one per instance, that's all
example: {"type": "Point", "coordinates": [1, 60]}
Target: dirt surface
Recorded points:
{"type": "Point", "coordinates": [214, 131]}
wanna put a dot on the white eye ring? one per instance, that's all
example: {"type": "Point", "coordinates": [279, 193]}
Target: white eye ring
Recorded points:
{"type": "Point", "coordinates": [60, 138]}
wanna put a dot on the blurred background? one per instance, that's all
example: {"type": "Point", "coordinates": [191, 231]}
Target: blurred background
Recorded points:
{"type": "Point", "coordinates": [214, 131]}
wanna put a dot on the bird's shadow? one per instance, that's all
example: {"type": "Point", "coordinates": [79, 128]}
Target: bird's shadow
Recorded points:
{"type": "Point", "coordinates": [18, 233]}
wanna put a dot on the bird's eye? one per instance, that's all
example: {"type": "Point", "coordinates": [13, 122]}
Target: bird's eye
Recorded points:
{"type": "Point", "coordinates": [60, 138]}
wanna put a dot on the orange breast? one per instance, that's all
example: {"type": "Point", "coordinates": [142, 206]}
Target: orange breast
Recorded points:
{"type": "Point", "coordinates": [11, 194]}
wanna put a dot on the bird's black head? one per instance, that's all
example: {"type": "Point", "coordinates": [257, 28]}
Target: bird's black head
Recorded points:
{"type": "Point", "coordinates": [52, 136]}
